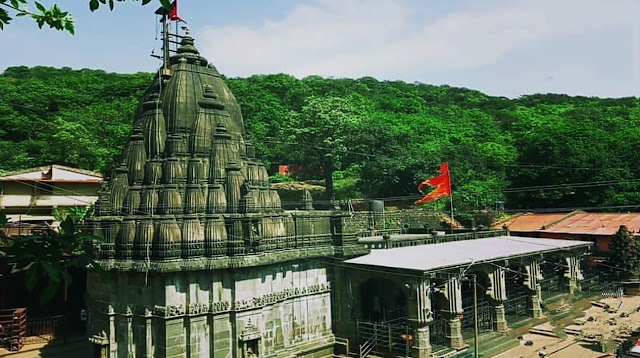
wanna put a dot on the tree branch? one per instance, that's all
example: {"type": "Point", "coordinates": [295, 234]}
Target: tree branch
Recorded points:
{"type": "Point", "coordinates": [26, 12]}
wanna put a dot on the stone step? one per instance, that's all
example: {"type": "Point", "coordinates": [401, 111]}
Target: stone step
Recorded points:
{"type": "Point", "coordinates": [544, 329]}
{"type": "Point", "coordinates": [443, 352]}
{"type": "Point", "coordinates": [574, 329]}
{"type": "Point", "coordinates": [599, 304]}
{"type": "Point", "coordinates": [543, 332]}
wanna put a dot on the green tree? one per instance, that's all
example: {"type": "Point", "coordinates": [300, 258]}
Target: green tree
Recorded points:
{"type": "Point", "coordinates": [322, 133]}
{"type": "Point", "coordinates": [624, 254]}
{"type": "Point", "coordinates": [49, 256]}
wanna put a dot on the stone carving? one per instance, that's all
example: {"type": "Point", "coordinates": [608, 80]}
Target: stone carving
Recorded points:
{"type": "Point", "coordinates": [168, 311]}
{"type": "Point", "coordinates": [198, 308]}
{"type": "Point", "coordinates": [220, 306]}
{"type": "Point", "coordinates": [307, 200]}
{"type": "Point", "coordinates": [271, 298]}
{"type": "Point", "coordinates": [250, 332]}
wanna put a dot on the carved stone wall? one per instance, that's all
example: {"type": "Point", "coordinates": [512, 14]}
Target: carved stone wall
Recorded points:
{"type": "Point", "coordinates": [192, 314]}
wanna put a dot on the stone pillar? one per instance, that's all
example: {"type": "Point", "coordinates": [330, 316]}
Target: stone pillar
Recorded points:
{"type": "Point", "coordinates": [421, 344]}
{"type": "Point", "coordinates": [131, 347]}
{"type": "Point", "coordinates": [420, 315]}
{"type": "Point", "coordinates": [499, 318]}
{"type": "Point", "coordinates": [531, 282]}
{"type": "Point", "coordinates": [113, 347]}
{"type": "Point", "coordinates": [497, 294]}
{"type": "Point", "coordinates": [574, 274]}
{"type": "Point", "coordinates": [148, 334]}
{"type": "Point", "coordinates": [453, 297]}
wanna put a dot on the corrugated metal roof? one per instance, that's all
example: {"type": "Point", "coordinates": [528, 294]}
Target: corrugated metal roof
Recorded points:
{"type": "Point", "coordinates": [596, 223]}
{"type": "Point", "coordinates": [53, 173]}
{"type": "Point", "coordinates": [534, 221]}
{"type": "Point", "coordinates": [462, 253]}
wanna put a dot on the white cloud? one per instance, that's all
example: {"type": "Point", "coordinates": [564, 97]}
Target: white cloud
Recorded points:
{"type": "Point", "coordinates": [385, 38]}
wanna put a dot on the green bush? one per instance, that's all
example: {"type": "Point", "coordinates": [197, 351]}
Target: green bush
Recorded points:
{"type": "Point", "coordinates": [280, 178]}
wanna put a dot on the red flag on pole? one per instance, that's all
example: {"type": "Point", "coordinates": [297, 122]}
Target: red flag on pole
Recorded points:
{"type": "Point", "coordinates": [442, 183]}
{"type": "Point", "coordinates": [173, 14]}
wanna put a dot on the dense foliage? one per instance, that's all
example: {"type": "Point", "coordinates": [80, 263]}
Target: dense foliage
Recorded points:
{"type": "Point", "coordinates": [378, 138]}
{"type": "Point", "coordinates": [76, 118]}
{"type": "Point", "coordinates": [48, 257]}
{"type": "Point", "coordinates": [624, 253]}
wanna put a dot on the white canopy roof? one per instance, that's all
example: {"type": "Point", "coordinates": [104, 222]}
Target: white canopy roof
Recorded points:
{"type": "Point", "coordinates": [462, 253]}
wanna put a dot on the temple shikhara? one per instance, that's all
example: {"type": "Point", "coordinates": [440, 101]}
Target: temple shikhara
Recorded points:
{"type": "Point", "coordinates": [202, 261]}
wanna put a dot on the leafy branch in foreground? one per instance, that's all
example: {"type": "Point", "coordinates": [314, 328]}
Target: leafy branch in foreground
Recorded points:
{"type": "Point", "coordinates": [47, 257]}
{"type": "Point", "coordinates": [53, 16]}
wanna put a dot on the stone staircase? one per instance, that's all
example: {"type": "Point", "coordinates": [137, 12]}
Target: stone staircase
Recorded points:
{"type": "Point", "coordinates": [442, 351]}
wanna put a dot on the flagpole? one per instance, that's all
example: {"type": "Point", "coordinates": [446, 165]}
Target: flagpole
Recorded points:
{"type": "Point", "coordinates": [165, 42]}
{"type": "Point", "coordinates": [451, 198]}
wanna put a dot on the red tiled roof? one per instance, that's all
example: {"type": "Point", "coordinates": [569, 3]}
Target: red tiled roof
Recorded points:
{"type": "Point", "coordinates": [533, 221]}
{"type": "Point", "coordinates": [596, 223]}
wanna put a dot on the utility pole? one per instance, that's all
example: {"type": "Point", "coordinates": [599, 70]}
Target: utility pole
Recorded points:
{"type": "Point", "coordinates": [475, 315]}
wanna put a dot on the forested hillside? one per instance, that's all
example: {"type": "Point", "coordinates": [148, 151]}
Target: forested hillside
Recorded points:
{"type": "Point", "coordinates": [380, 139]}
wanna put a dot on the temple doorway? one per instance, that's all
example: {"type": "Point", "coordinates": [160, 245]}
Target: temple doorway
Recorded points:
{"type": "Point", "coordinates": [553, 283]}
{"type": "Point", "coordinates": [485, 314]}
{"type": "Point", "coordinates": [516, 306]}
{"type": "Point", "coordinates": [382, 300]}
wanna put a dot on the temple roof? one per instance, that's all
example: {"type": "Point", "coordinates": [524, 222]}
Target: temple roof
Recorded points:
{"type": "Point", "coordinates": [187, 174]}
{"type": "Point", "coordinates": [463, 253]}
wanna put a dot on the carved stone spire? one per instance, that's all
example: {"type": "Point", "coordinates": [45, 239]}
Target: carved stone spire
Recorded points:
{"type": "Point", "coordinates": [188, 179]}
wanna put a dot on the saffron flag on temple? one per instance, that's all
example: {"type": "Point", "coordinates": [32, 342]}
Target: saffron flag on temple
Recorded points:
{"type": "Point", "coordinates": [171, 15]}
{"type": "Point", "coordinates": [442, 183]}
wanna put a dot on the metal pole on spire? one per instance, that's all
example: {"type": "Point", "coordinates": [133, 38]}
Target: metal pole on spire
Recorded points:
{"type": "Point", "coordinates": [165, 42]}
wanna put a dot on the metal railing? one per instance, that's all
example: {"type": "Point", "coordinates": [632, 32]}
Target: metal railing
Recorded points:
{"type": "Point", "coordinates": [485, 318]}
{"type": "Point", "coordinates": [367, 347]}
{"type": "Point", "coordinates": [517, 308]}
{"type": "Point", "coordinates": [387, 339]}
{"type": "Point", "coordinates": [438, 332]}
{"type": "Point", "coordinates": [425, 239]}
{"type": "Point", "coordinates": [44, 328]}
{"type": "Point", "coordinates": [339, 341]}
{"type": "Point", "coordinates": [551, 287]}
{"type": "Point", "coordinates": [612, 291]}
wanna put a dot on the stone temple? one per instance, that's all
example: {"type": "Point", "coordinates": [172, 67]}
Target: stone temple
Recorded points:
{"type": "Point", "coordinates": [200, 260]}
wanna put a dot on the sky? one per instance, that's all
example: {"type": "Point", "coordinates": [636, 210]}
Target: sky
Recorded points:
{"type": "Point", "coordinates": [500, 47]}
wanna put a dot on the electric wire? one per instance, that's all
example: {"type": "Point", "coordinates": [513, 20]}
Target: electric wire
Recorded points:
{"type": "Point", "coordinates": [389, 198]}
